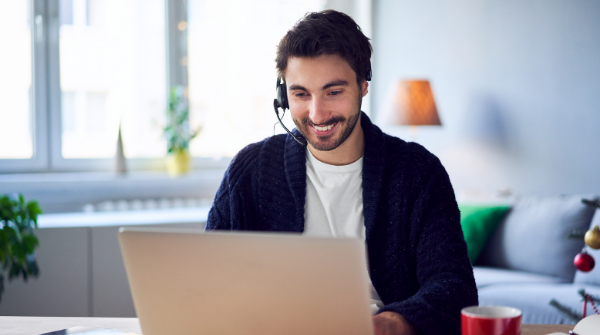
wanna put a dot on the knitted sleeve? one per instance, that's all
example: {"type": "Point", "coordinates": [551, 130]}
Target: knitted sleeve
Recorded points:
{"type": "Point", "coordinates": [220, 213]}
{"type": "Point", "coordinates": [233, 206]}
{"type": "Point", "coordinates": [444, 272]}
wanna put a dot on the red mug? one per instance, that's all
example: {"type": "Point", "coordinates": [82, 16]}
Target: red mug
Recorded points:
{"type": "Point", "coordinates": [490, 320]}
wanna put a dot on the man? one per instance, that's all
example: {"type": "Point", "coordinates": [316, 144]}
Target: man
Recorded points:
{"type": "Point", "coordinates": [353, 180]}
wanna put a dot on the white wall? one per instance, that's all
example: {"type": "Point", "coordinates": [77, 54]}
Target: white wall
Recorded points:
{"type": "Point", "coordinates": [517, 84]}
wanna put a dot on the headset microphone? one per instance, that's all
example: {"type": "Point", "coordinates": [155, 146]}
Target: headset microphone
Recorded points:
{"type": "Point", "coordinates": [282, 102]}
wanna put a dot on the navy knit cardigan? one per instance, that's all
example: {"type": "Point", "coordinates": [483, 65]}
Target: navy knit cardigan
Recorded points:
{"type": "Point", "coordinates": [417, 254]}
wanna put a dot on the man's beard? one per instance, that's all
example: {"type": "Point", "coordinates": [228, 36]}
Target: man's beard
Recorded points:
{"type": "Point", "coordinates": [323, 143]}
{"type": "Point", "coordinates": [326, 143]}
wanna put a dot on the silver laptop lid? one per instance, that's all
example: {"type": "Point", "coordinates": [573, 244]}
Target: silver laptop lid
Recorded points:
{"type": "Point", "coordinates": [191, 282]}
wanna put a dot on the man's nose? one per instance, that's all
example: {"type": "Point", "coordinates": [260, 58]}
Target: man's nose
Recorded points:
{"type": "Point", "coordinates": [318, 113]}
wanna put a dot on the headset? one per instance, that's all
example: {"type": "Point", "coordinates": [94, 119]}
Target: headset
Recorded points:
{"type": "Point", "coordinates": [282, 102]}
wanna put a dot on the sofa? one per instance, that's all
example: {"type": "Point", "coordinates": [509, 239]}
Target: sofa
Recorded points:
{"type": "Point", "coordinates": [528, 259]}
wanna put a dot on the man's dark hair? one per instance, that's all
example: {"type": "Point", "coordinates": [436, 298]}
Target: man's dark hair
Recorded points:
{"type": "Point", "coordinates": [327, 33]}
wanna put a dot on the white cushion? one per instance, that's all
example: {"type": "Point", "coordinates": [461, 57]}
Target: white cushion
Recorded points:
{"type": "Point", "coordinates": [485, 276]}
{"type": "Point", "coordinates": [533, 236]}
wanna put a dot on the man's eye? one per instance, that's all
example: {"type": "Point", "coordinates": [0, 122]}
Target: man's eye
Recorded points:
{"type": "Point", "coordinates": [300, 95]}
{"type": "Point", "coordinates": [335, 92]}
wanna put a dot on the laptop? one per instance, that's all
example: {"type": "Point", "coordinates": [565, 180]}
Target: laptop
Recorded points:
{"type": "Point", "coordinates": [194, 282]}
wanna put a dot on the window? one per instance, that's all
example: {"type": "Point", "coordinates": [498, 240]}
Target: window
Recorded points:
{"type": "Point", "coordinates": [16, 123]}
{"type": "Point", "coordinates": [78, 70]}
{"type": "Point", "coordinates": [231, 52]}
{"type": "Point", "coordinates": [112, 72]}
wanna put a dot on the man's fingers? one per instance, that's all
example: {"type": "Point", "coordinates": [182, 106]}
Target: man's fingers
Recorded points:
{"type": "Point", "coordinates": [390, 323]}
{"type": "Point", "coordinates": [383, 325]}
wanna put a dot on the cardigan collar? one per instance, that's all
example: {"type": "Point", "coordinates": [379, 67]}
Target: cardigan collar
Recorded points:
{"type": "Point", "coordinates": [372, 175]}
{"type": "Point", "coordinates": [294, 161]}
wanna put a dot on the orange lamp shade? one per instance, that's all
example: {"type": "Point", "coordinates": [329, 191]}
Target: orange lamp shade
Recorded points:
{"type": "Point", "coordinates": [414, 104]}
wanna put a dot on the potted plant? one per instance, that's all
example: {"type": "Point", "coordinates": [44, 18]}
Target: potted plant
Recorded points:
{"type": "Point", "coordinates": [17, 240]}
{"type": "Point", "coordinates": [177, 133]}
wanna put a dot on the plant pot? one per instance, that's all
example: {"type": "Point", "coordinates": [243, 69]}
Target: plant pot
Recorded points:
{"type": "Point", "coordinates": [178, 163]}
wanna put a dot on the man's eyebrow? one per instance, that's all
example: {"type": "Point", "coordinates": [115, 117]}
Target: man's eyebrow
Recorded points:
{"type": "Point", "coordinates": [328, 85]}
{"type": "Point", "coordinates": [297, 87]}
{"type": "Point", "coordinates": [335, 83]}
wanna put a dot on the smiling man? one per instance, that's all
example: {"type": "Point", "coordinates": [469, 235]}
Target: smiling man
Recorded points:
{"type": "Point", "coordinates": [324, 99]}
{"type": "Point", "coordinates": [352, 180]}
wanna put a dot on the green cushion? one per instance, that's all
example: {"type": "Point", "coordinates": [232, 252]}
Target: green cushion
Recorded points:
{"type": "Point", "coordinates": [478, 223]}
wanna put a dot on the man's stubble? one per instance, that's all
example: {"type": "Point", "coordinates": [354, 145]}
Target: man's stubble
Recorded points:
{"type": "Point", "coordinates": [322, 143]}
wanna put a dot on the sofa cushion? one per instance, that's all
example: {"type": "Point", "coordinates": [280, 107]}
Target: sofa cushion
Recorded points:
{"type": "Point", "coordinates": [533, 236]}
{"type": "Point", "coordinates": [478, 223]}
{"type": "Point", "coordinates": [592, 277]}
{"type": "Point", "coordinates": [534, 300]}
{"type": "Point", "coordinates": [485, 276]}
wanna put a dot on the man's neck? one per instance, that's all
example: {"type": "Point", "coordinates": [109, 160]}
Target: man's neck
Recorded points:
{"type": "Point", "coordinates": [348, 152]}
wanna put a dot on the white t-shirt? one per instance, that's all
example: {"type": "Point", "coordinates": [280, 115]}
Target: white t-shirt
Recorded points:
{"type": "Point", "coordinates": [334, 202]}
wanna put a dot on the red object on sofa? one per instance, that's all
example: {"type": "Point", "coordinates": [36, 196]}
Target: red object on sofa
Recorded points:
{"type": "Point", "coordinates": [584, 262]}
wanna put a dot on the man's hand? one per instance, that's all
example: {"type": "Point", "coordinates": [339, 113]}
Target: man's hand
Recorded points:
{"type": "Point", "coordinates": [391, 323]}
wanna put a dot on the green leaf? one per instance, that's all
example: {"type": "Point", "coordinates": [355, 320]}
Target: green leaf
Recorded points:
{"type": "Point", "coordinates": [18, 219]}
{"type": "Point", "coordinates": [34, 209]}
{"type": "Point", "coordinates": [567, 311]}
{"type": "Point", "coordinates": [32, 267]}
{"type": "Point", "coordinates": [593, 202]}
{"type": "Point", "coordinates": [12, 233]}
{"type": "Point", "coordinates": [15, 270]}
{"type": "Point", "coordinates": [177, 130]}
{"type": "Point", "coordinates": [30, 241]}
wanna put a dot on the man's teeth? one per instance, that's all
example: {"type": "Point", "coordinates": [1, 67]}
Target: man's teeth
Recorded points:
{"type": "Point", "coordinates": [326, 128]}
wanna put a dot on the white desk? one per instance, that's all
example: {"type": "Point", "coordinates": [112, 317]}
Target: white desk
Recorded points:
{"type": "Point", "coordinates": [16, 325]}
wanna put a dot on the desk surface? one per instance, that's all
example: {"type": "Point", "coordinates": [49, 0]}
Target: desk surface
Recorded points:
{"type": "Point", "coordinates": [14, 325]}
{"type": "Point", "coordinates": [545, 329]}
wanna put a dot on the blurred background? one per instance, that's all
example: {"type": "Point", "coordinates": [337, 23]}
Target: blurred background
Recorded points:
{"type": "Point", "coordinates": [516, 85]}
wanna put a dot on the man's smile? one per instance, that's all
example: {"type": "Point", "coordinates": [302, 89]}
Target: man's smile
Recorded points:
{"type": "Point", "coordinates": [324, 130]}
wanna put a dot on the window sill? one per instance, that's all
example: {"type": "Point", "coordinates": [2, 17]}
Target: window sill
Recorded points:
{"type": "Point", "coordinates": [126, 218]}
{"type": "Point", "coordinates": [69, 192]}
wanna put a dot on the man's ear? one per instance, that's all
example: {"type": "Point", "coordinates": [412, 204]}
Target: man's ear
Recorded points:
{"type": "Point", "coordinates": [364, 87]}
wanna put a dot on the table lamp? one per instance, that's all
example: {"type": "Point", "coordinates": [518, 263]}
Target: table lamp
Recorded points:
{"type": "Point", "coordinates": [414, 105]}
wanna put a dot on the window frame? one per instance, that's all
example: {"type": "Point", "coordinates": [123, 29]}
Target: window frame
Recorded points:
{"type": "Point", "coordinates": [45, 104]}
{"type": "Point", "coordinates": [38, 98]}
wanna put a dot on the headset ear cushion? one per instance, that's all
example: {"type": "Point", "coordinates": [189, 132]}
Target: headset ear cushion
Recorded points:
{"type": "Point", "coordinates": [282, 96]}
